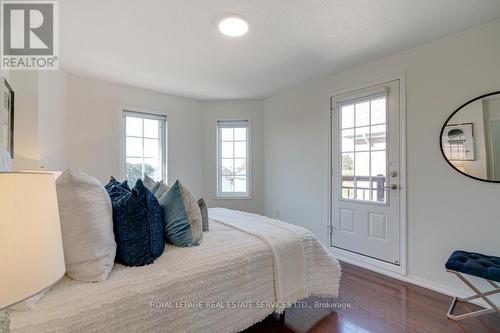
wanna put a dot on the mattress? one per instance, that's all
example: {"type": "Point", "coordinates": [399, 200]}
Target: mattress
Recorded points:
{"type": "Point", "coordinates": [223, 285]}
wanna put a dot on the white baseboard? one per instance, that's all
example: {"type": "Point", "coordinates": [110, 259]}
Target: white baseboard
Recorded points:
{"type": "Point", "coordinates": [421, 282]}
{"type": "Point", "coordinates": [367, 262]}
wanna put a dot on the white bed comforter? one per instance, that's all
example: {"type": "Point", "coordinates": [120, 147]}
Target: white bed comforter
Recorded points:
{"type": "Point", "coordinates": [286, 248]}
{"type": "Point", "coordinates": [224, 285]}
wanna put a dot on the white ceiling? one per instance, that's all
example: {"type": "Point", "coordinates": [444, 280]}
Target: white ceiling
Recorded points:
{"type": "Point", "coordinates": [175, 47]}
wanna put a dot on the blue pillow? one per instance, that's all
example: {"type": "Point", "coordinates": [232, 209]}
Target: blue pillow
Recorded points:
{"type": "Point", "coordinates": [125, 186]}
{"type": "Point", "coordinates": [116, 189]}
{"type": "Point", "coordinates": [138, 225]}
{"type": "Point", "coordinates": [177, 227]}
{"type": "Point", "coordinates": [114, 182]}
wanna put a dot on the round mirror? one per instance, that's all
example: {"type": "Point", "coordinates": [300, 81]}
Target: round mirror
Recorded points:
{"type": "Point", "coordinates": [470, 138]}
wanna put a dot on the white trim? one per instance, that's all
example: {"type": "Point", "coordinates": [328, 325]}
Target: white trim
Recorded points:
{"type": "Point", "coordinates": [403, 172]}
{"type": "Point", "coordinates": [421, 282]}
{"type": "Point", "coordinates": [492, 150]}
{"type": "Point", "coordinates": [351, 99]}
{"type": "Point", "coordinates": [143, 113]}
{"type": "Point", "coordinates": [232, 123]}
{"type": "Point", "coordinates": [121, 153]}
{"type": "Point", "coordinates": [366, 262]}
{"type": "Point", "coordinates": [233, 197]}
{"type": "Point", "coordinates": [237, 195]}
{"type": "Point", "coordinates": [354, 258]}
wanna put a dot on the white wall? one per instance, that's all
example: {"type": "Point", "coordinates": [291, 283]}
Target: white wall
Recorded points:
{"type": "Point", "coordinates": [93, 129]}
{"type": "Point", "coordinates": [491, 108]}
{"type": "Point", "coordinates": [241, 109]}
{"type": "Point", "coordinates": [446, 210]}
{"type": "Point", "coordinates": [26, 144]}
{"type": "Point", "coordinates": [39, 119]}
{"type": "Point", "coordinates": [473, 113]}
{"type": "Point", "coordinates": [5, 161]}
{"type": "Point", "coordinates": [64, 120]}
{"type": "Point", "coordinates": [5, 74]}
{"type": "Point", "coordinates": [52, 119]}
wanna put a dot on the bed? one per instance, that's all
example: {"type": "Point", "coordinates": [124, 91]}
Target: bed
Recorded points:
{"type": "Point", "coordinates": [226, 284]}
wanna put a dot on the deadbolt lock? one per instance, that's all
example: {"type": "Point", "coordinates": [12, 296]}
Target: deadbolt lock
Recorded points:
{"type": "Point", "coordinates": [394, 173]}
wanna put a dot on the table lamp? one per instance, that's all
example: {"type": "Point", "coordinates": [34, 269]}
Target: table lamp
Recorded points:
{"type": "Point", "coordinates": [31, 250]}
{"type": "Point", "coordinates": [56, 173]}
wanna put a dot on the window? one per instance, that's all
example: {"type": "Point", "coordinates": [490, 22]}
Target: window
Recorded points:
{"type": "Point", "coordinates": [233, 159]}
{"type": "Point", "coordinates": [145, 146]}
{"type": "Point", "coordinates": [363, 128]}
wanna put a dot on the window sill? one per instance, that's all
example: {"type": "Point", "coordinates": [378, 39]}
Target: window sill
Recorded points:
{"type": "Point", "coordinates": [233, 197]}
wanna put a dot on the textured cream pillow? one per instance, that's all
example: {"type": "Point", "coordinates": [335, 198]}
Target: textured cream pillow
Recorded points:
{"type": "Point", "coordinates": [193, 213]}
{"type": "Point", "coordinates": [86, 226]}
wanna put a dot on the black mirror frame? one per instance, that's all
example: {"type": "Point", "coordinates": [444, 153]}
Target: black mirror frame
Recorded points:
{"type": "Point", "coordinates": [442, 132]}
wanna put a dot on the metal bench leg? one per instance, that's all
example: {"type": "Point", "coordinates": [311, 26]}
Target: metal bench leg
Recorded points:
{"type": "Point", "coordinates": [479, 294]}
{"type": "Point", "coordinates": [493, 284]}
{"type": "Point", "coordinates": [282, 319]}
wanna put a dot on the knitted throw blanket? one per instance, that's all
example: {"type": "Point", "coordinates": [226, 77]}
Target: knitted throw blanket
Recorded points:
{"type": "Point", "coordinates": [286, 248]}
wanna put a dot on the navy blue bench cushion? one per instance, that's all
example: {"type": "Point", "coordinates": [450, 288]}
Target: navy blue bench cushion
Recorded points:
{"type": "Point", "coordinates": [487, 267]}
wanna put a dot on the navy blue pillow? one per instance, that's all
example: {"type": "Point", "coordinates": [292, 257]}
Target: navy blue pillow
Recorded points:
{"type": "Point", "coordinates": [138, 225]}
{"type": "Point", "coordinates": [116, 189]}
{"type": "Point", "coordinates": [124, 185]}
{"type": "Point", "coordinates": [114, 182]}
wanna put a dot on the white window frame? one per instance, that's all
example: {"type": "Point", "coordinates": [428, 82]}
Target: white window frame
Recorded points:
{"type": "Point", "coordinates": [163, 139]}
{"type": "Point", "coordinates": [353, 99]}
{"type": "Point", "coordinates": [232, 123]}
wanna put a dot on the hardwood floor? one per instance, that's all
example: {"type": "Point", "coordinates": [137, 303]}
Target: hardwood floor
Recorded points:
{"type": "Point", "coordinates": [373, 303]}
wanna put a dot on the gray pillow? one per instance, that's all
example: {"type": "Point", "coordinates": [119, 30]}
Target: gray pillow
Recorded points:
{"type": "Point", "coordinates": [160, 189]}
{"type": "Point", "coordinates": [86, 225]}
{"type": "Point", "coordinates": [157, 188]}
{"type": "Point", "coordinates": [149, 182]}
{"type": "Point", "coordinates": [204, 214]}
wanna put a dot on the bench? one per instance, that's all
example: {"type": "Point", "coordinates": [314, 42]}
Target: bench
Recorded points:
{"type": "Point", "coordinates": [478, 265]}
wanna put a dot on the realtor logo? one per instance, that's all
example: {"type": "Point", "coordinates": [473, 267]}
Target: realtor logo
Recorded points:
{"type": "Point", "coordinates": [30, 36]}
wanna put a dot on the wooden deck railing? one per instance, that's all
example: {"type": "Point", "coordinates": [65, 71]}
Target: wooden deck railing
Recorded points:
{"type": "Point", "coordinates": [376, 183]}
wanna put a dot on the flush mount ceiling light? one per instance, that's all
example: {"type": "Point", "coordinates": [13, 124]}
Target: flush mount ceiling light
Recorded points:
{"type": "Point", "coordinates": [233, 26]}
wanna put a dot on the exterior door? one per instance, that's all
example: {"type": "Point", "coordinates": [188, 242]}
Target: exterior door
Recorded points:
{"type": "Point", "coordinates": [366, 170]}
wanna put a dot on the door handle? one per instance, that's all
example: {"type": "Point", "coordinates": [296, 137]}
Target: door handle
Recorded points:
{"type": "Point", "coordinates": [392, 187]}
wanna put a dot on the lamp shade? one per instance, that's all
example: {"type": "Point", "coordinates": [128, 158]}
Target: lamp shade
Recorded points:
{"type": "Point", "coordinates": [56, 173]}
{"type": "Point", "coordinates": [31, 250]}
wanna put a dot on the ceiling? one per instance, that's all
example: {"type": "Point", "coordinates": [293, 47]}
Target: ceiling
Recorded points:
{"type": "Point", "coordinates": [175, 47]}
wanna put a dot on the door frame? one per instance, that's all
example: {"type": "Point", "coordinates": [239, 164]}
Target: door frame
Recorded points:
{"type": "Point", "coordinates": [348, 256]}
{"type": "Point", "coordinates": [492, 149]}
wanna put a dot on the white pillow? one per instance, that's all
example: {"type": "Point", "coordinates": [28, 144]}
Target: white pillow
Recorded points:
{"type": "Point", "coordinates": [87, 226]}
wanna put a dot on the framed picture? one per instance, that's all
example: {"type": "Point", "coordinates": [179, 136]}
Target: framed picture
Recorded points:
{"type": "Point", "coordinates": [7, 119]}
{"type": "Point", "coordinates": [458, 142]}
